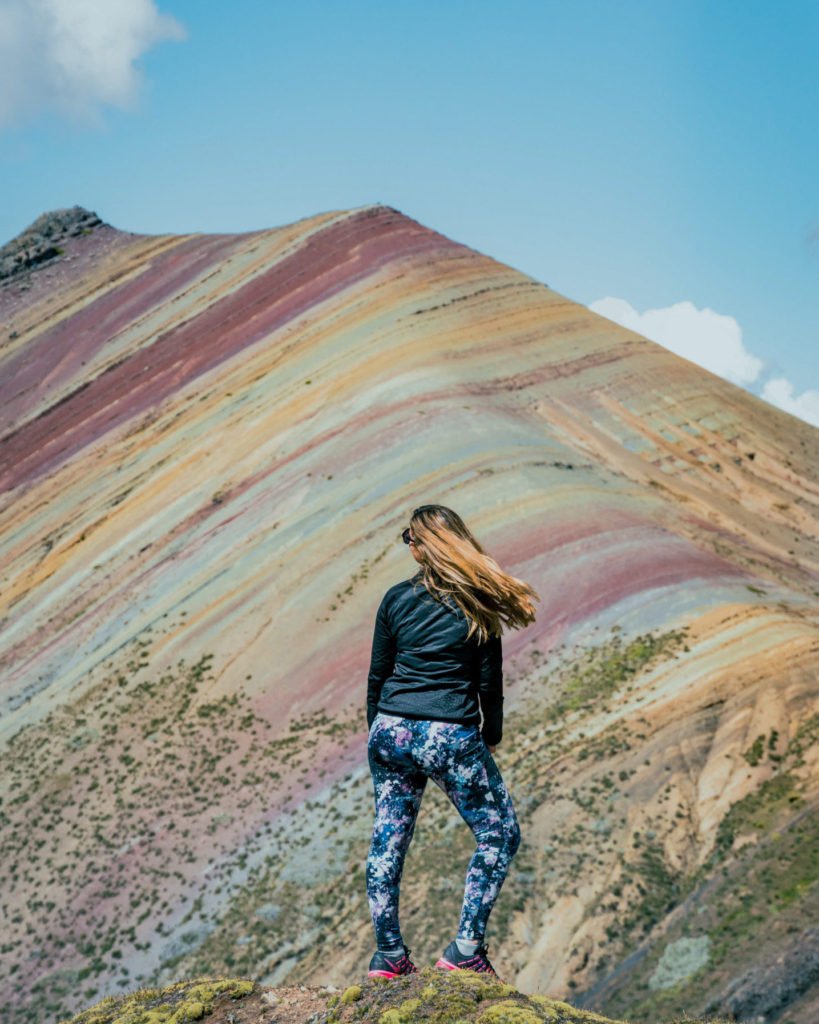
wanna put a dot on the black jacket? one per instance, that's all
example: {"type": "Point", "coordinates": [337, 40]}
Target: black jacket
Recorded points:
{"type": "Point", "coordinates": [423, 666]}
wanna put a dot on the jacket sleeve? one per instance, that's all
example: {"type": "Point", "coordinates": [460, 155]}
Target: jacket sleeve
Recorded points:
{"type": "Point", "coordinates": [382, 661]}
{"type": "Point", "coordinates": [490, 689]}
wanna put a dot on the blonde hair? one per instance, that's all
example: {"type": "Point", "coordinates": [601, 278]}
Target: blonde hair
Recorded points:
{"type": "Point", "coordinates": [454, 564]}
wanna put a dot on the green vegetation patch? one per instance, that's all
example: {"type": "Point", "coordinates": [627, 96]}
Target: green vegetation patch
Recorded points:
{"type": "Point", "coordinates": [807, 735]}
{"type": "Point", "coordinates": [611, 666]}
{"type": "Point", "coordinates": [761, 747]}
{"type": "Point", "coordinates": [351, 994]}
{"type": "Point", "coordinates": [177, 1004]}
{"type": "Point", "coordinates": [747, 903]}
{"type": "Point", "coordinates": [659, 888]}
{"type": "Point", "coordinates": [130, 791]}
{"type": "Point", "coordinates": [455, 997]}
{"type": "Point", "coordinates": [509, 1013]}
{"type": "Point", "coordinates": [777, 879]}
{"type": "Point", "coordinates": [758, 811]}
{"type": "Point", "coordinates": [566, 1012]}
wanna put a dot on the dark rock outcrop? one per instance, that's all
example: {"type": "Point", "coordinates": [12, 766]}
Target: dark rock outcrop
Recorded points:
{"type": "Point", "coordinates": [40, 242]}
{"type": "Point", "coordinates": [764, 992]}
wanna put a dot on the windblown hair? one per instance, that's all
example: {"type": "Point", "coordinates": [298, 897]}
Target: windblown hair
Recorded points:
{"type": "Point", "coordinates": [455, 565]}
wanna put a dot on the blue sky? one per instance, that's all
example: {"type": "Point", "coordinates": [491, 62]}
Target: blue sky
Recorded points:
{"type": "Point", "coordinates": [636, 156]}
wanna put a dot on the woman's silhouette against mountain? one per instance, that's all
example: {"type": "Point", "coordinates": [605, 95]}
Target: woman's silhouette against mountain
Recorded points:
{"type": "Point", "coordinates": [436, 666]}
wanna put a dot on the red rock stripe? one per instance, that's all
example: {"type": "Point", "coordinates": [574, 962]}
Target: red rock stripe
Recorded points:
{"type": "Point", "coordinates": [57, 354]}
{"type": "Point", "coordinates": [329, 261]}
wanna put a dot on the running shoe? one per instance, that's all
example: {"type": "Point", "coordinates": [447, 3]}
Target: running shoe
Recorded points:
{"type": "Point", "coordinates": [384, 966]}
{"type": "Point", "coordinates": [454, 960]}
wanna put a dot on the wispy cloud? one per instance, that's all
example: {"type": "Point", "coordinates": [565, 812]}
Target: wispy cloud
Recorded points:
{"type": "Point", "coordinates": [779, 391]}
{"type": "Point", "coordinates": [701, 335]}
{"type": "Point", "coordinates": [713, 341]}
{"type": "Point", "coordinates": [75, 56]}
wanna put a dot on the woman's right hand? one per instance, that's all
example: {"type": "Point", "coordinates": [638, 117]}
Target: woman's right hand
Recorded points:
{"type": "Point", "coordinates": [491, 747]}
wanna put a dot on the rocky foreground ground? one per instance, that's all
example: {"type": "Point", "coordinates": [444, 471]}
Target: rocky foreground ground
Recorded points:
{"type": "Point", "coordinates": [431, 996]}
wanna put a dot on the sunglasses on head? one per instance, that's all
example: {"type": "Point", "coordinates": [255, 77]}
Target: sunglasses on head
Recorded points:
{"type": "Point", "coordinates": [405, 536]}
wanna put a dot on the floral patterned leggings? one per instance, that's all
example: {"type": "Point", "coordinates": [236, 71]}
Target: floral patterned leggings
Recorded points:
{"type": "Point", "coordinates": [403, 753]}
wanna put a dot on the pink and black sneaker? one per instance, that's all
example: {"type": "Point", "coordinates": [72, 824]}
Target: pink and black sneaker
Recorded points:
{"type": "Point", "coordinates": [383, 965]}
{"type": "Point", "coordinates": [454, 960]}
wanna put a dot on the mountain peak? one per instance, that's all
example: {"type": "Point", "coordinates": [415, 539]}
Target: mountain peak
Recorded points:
{"type": "Point", "coordinates": [40, 241]}
{"type": "Point", "coordinates": [210, 445]}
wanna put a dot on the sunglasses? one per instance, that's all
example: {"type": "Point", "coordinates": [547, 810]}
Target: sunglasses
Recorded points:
{"type": "Point", "coordinates": [405, 536]}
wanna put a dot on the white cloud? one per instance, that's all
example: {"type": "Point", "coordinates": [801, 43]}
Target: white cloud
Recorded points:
{"type": "Point", "coordinates": [779, 391]}
{"type": "Point", "coordinates": [701, 335]}
{"type": "Point", "coordinates": [713, 341]}
{"type": "Point", "coordinates": [74, 56]}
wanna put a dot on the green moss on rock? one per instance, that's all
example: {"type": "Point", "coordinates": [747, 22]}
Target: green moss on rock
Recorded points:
{"type": "Point", "coordinates": [179, 1003]}
{"type": "Point", "coordinates": [458, 997]}
{"type": "Point", "coordinates": [509, 1013]}
{"type": "Point", "coordinates": [351, 994]}
{"type": "Point", "coordinates": [568, 1014]}
{"type": "Point", "coordinates": [431, 996]}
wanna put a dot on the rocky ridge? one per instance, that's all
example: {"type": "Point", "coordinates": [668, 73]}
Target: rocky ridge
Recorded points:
{"type": "Point", "coordinates": [40, 243]}
{"type": "Point", "coordinates": [429, 997]}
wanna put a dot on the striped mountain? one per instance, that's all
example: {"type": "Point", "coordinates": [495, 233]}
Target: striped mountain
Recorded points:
{"type": "Point", "coordinates": [210, 444]}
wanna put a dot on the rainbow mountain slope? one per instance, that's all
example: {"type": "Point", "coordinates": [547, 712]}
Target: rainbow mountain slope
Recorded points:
{"type": "Point", "coordinates": [210, 445]}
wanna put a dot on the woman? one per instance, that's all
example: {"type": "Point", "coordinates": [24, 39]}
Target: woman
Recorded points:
{"type": "Point", "coordinates": [436, 666]}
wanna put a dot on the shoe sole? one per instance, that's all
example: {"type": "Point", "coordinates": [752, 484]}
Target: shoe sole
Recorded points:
{"type": "Point", "coordinates": [447, 966]}
{"type": "Point", "coordinates": [389, 974]}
